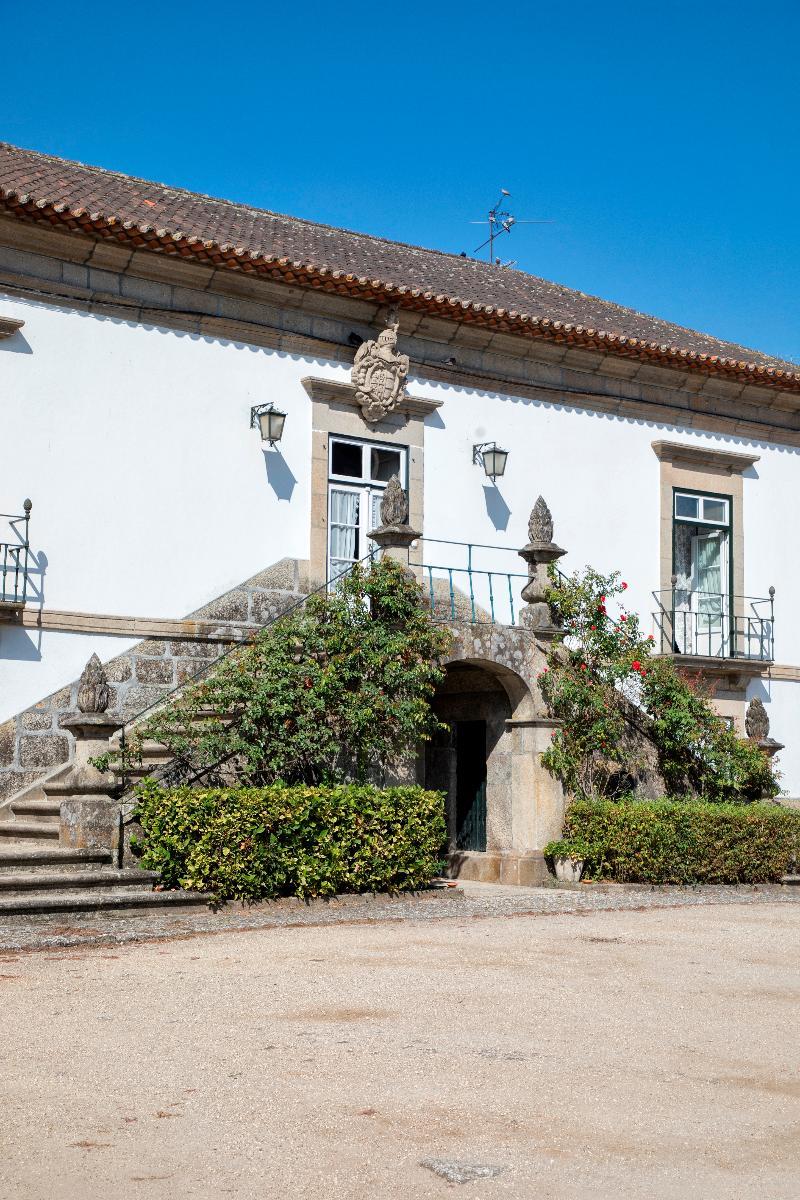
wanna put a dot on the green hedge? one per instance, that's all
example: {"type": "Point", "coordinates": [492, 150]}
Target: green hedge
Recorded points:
{"type": "Point", "coordinates": [672, 841]}
{"type": "Point", "coordinates": [258, 843]}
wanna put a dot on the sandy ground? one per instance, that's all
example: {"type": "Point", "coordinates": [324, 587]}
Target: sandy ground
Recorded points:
{"type": "Point", "coordinates": [641, 1054]}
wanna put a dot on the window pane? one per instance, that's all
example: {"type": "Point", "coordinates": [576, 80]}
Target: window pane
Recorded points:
{"type": "Point", "coordinates": [715, 510]}
{"type": "Point", "coordinates": [384, 464]}
{"type": "Point", "coordinates": [346, 459]}
{"type": "Point", "coordinates": [686, 506]}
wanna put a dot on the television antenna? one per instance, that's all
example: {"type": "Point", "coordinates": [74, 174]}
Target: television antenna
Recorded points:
{"type": "Point", "coordinates": [501, 221]}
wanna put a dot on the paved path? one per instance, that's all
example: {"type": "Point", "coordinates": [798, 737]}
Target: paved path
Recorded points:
{"type": "Point", "coordinates": [469, 900]}
{"type": "Point", "coordinates": [648, 1053]}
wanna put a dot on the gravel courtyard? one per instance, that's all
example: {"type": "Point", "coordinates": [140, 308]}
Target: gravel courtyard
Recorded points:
{"type": "Point", "coordinates": [648, 1053]}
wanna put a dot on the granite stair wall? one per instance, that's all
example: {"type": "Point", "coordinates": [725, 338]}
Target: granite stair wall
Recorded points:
{"type": "Point", "coordinates": [34, 744]}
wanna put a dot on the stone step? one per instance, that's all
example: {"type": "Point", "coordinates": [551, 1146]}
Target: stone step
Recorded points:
{"type": "Point", "coordinates": [791, 880]}
{"type": "Point", "coordinates": [20, 856]}
{"type": "Point", "coordinates": [89, 901]}
{"type": "Point", "coordinates": [104, 880]}
{"type": "Point", "coordinates": [29, 829]}
{"type": "Point", "coordinates": [36, 807]}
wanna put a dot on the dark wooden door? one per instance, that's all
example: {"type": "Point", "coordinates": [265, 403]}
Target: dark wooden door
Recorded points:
{"type": "Point", "coordinates": [471, 785]}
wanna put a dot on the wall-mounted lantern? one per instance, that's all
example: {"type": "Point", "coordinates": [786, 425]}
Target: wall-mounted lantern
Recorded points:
{"type": "Point", "coordinates": [268, 421]}
{"type": "Point", "coordinates": [491, 457]}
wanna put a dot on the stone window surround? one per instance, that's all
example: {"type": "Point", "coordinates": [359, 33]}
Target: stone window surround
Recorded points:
{"type": "Point", "coordinates": [334, 412]}
{"type": "Point", "coordinates": [700, 469]}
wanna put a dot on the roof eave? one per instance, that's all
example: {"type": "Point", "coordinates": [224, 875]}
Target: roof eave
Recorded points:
{"type": "Point", "coordinates": [317, 276]}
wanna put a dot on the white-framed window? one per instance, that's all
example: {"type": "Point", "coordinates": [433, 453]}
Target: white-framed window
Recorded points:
{"type": "Point", "coordinates": [358, 472]}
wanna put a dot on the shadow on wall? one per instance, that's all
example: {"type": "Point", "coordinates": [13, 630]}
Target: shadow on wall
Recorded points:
{"type": "Point", "coordinates": [16, 344]}
{"type": "Point", "coordinates": [37, 569]}
{"type": "Point", "coordinates": [496, 507]}
{"type": "Point", "coordinates": [279, 474]}
{"type": "Point", "coordinates": [17, 644]}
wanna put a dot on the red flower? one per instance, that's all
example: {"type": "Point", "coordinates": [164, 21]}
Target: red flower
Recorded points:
{"type": "Point", "coordinates": [624, 587]}
{"type": "Point", "coordinates": [636, 665]}
{"type": "Point", "coordinates": [623, 617]}
{"type": "Point", "coordinates": [593, 627]}
{"type": "Point", "coordinates": [650, 637]}
{"type": "Point", "coordinates": [583, 666]}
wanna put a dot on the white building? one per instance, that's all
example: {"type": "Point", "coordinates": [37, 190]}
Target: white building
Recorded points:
{"type": "Point", "coordinates": [140, 325]}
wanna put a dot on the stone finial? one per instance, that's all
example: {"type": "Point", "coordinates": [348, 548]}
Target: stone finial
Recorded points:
{"type": "Point", "coordinates": [93, 692]}
{"type": "Point", "coordinates": [540, 525]}
{"type": "Point", "coordinates": [379, 373]}
{"type": "Point", "coordinates": [756, 721]}
{"type": "Point", "coordinates": [394, 505]}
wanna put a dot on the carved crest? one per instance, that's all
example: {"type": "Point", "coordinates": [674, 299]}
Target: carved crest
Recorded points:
{"type": "Point", "coordinates": [540, 525]}
{"type": "Point", "coordinates": [93, 693]}
{"type": "Point", "coordinates": [756, 721]}
{"type": "Point", "coordinates": [394, 505]}
{"type": "Point", "coordinates": [379, 373]}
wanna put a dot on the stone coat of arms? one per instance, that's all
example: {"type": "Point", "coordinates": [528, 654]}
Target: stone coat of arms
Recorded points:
{"type": "Point", "coordinates": [379, 374]}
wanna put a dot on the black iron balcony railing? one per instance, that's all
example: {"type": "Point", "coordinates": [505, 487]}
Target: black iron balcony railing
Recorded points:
{"type": "Point", "coordinates": [711, 625]}
{"type": "Point", "coordinates": [14, 557]}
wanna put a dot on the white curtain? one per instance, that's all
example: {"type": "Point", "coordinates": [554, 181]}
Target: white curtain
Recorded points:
{"type": "Point", "coordinates": [708, 568]}
{"type": "Point", "coordinates": [344, 526]}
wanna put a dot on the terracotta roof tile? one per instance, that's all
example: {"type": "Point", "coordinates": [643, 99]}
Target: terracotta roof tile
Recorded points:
{"type": "Point", "coordinates": [172, 219]}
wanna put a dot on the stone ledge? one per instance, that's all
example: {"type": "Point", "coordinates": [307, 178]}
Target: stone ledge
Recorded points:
{"type": "Point", "coordinates": [518, 870]}
{"type": "Point", "coordinates": [9, 326]}
{"type": "Point", "coordinates": [698, 455]}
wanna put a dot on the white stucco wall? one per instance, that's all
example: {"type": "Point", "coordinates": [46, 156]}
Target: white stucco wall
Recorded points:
{"type": "Point", "coordinates": [152, 496]}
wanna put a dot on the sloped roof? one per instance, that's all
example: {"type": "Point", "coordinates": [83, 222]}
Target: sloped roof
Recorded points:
{"type": "Point", "coordinates": [175, 221]}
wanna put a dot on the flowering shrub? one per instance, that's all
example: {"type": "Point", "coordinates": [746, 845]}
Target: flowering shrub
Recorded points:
{"type": "Point", "coordinates": [590, 679]}
{"type": "Point", "coordinates": [603, 673]}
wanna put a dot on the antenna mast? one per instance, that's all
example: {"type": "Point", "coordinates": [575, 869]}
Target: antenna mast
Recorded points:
{"type": "Point", "coordinates": [499, 221]}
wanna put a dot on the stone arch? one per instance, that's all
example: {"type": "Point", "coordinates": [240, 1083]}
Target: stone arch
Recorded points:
{"type": "Point", "coordinates": [488, 699]}
{"type": "Point", "coordinates": [516, 688]}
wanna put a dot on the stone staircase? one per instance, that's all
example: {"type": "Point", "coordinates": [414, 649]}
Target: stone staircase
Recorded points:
{"type": "Point", "coordinates": [31, 818]}
{"type": "Point", "coordinates": [39, 876]}
{"type": "Point", "coordinates": [57, 879]}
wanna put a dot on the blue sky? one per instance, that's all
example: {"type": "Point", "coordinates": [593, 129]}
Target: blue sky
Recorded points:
{"type": "Point", "coordinates": [661, 139]}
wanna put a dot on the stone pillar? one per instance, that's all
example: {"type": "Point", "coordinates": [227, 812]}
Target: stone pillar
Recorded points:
{"type": "Point", "coordinates": [394, 536]}
{"type": "Point", "coordinates": [538, 554]}
{"type": "Point", "coordinates": [544, 820]}
{"type": "Point", "coordinates": [88, 797]}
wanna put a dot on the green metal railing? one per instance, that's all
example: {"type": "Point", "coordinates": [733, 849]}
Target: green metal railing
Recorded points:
{"type": "Point", "coordinates": [463, 591]}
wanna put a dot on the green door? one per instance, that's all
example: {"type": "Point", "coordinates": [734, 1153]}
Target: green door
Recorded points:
{"type": "Point", "coordinates": [470, 785]}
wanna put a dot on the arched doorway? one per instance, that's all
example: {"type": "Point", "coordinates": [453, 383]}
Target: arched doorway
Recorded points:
{"type": "Point", "coordinates": [471, 761]}
{"type": "Point", "coordinates": [501, 805]}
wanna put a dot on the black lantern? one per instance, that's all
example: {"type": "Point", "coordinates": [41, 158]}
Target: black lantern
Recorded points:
{"type": "Point", "coordinates": [268, 421]}
{"type": "Point", "coordinates": [492, 458]}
